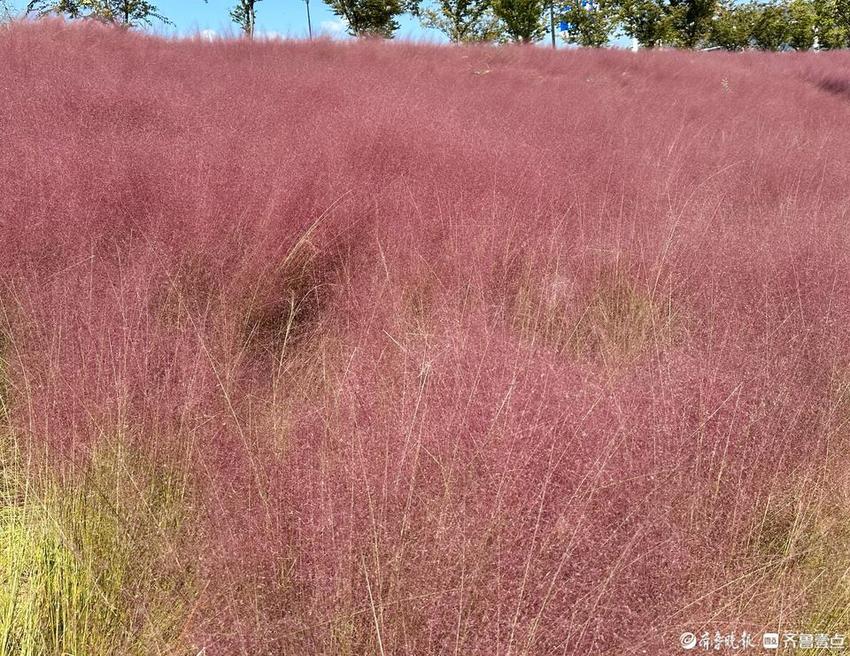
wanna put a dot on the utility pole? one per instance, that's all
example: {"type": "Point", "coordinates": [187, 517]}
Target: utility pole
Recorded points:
{"type": "Point", "coordinates": [552, 21]}
{"type": "Point", "coordinates": [309, 24]}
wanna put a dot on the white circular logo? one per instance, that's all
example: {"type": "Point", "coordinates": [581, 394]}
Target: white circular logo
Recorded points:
{"type": "Point", "coordinates": [688, 640]}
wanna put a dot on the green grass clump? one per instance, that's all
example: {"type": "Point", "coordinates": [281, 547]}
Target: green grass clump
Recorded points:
{"type": "Point", "coordinates": [801, 546]}
{"type": "Point", "coordinates": [612, 320]}
{"type": "Point", "coordinates": [89, 565]}
{"type": "Point", "coordinates": [619, 319]}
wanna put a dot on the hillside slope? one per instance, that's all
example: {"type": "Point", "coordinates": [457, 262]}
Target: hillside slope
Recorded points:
{"type": "Point", "coordinates": [365, 348]}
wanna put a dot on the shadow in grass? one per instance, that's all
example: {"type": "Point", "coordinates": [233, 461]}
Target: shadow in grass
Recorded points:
{"type": "Point", "coordinates": [286, 304]}
{"type": "Point", "coordinates": [836, 86]}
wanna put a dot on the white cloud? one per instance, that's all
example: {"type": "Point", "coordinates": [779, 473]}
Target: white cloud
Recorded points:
{"type": "Point", "coordinates": [265, 34]}
{"type": "Point", "coordinates": [208, 35]}
{"type": "Point", "coordinates": [333, 27]}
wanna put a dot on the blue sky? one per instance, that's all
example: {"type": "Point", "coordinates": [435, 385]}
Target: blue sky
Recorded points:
{"type": "Point", "coordinates": [274, 17]}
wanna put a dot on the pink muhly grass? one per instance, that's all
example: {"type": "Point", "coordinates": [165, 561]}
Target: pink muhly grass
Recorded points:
{"type": "Point", "coordinates": [460, 351]}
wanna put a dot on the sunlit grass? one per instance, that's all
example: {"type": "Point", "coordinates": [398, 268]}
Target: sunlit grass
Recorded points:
{"type": "Point", "coordinates": [89, 564]}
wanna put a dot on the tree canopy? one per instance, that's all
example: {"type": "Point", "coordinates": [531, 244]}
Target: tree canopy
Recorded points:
{"type": "Point", "coordinates": [729, 24]}
{"type": "Point", "coordinates": [376, 18]}
{"type": "Point", "coordinates": [462, 20]}
{"type": "Point", "coordinates": [244, 14]}
{"type": "Point", "coordinates": [124, 12]}
{"type": "Point", "coordinates": [522, 19]}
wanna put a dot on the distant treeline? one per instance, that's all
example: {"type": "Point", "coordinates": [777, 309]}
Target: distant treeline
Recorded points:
{"type": "Point", "coordinates": [765, 25]}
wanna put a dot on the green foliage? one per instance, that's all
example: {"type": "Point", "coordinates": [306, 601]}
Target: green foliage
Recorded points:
{"type": "Point", "coordinates": [832, 23]}
{"type": "Point", "coordinates": [244, 15]}
{"type": "Point", "coordinates": [732, 27]}
{"type": "Point", "coordinates": [522, 19]}
{"type": "Point", "coordinates": [69, 8]}
{"type": "Point", "coordinates": [124, 12]}
{"type": "Point", "coordinates": [771, 25]}
{"type": "Point", "coordinates": [376, 18]}
{"type": "Point", "coordinates": [591, 26]}
{"type": "Point", "coordinates": [770, 29]}
{"type": "Point", "coordinates": [802, 24]}
{"type": "Point", "coordinates": [680, 23]}
{"type": "Point", "coordinates": [798, 24]}
{"type": "Point", "coordinates": [692, 20]}
{"type": "Point", "coordinates": [648, 21]}
{"type": "Point", "coordinates": [463, 21]}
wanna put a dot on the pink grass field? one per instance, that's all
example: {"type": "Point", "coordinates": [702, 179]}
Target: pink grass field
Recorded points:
{"type": "Point", "coordinates": [468, 351]}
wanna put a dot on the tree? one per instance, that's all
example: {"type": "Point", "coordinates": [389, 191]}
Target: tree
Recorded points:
{"type": "Point", "coordinates": [692, 20]}
{"type": "Point", "coordinates": [802, 24]}
{"type": "Point", "coordinates": [522, 19]}
{"type": "Point", "coordinates": [590, 22]}
{"type": "Point", "coordinates": [463, 20]}
{"type": "Point", "coordinates": [244, 15]}
{"type": "Point", "coordinates": [732, 27]}
{"type": "Point", "coordinates": [648, 21]}
{"type": "Point", "coordinates": [832, 23]}
{"type": "Point", "coordinates": [123, 12]}
{"type": "Point", "coordinates": [769, 26]}
{"type": "Point", "coordinates": [770, 29]}
{"type": "Point", "coordinates": [683, 23]}
{"type": "Point", "coordinates": [69, 8]}
{"type": "Point", "coordinates": [370, 17]}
